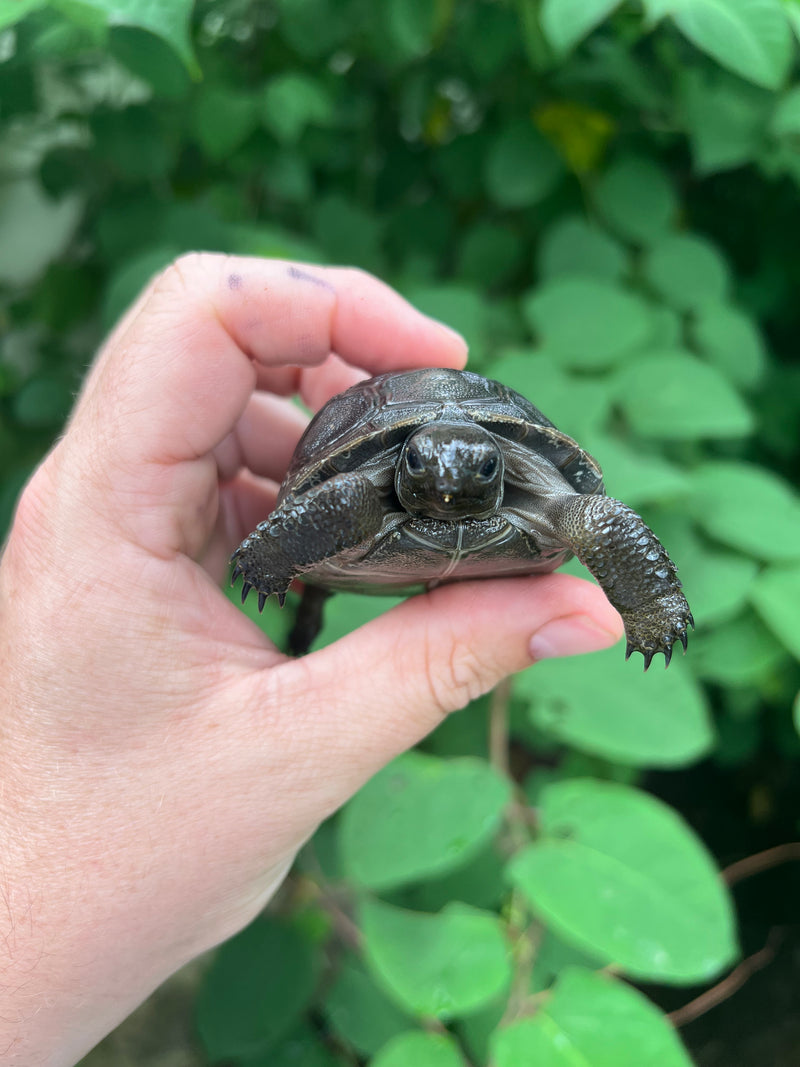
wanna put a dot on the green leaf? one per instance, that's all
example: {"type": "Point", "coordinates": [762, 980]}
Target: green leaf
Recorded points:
{"type": "Point", "coordinates": [44, 401]}
{"type": "Point", "coordinates": [565, 22]}
{"type": "Point", "coordinates": [458, 306]}
{"type": "Point", "coordinates": [632, 474]}
{"type": "Point", "coordinates": [12, 11]}
{"type": "Point", "coordinates": [574, 246]}
{"type": "Point", "coordinates": [293, 101]}
{"type": "Point", "coordinates": [360, 1012]}
{"type": "Point", "coordinates": [603, 705]}
{"type": "Point", "coordinates": [522, 167]}
{"type": "Point", "coordinates": [443, 965]}
{"type": "Point", "coordinates": [223, 118]}
{"type": "Point", "coordinates": [675, 396]}
{"type": "Point", "coordinates": [576, 405]}
{"type": "Point", "coordinates": [725, 119]}
{"type": "Point", "coordinates": [637, 200]}
{"type": "Point", "coordinates": [303, 1047]}
{"type": "Point", "coordinates": [170, 21]}
{"type": "Point", "coordinates": [588, 322]}
{"type": "Point", "coordinates": [420, 816]}
{"type": "Point", "coordinates": [776, 597]}
{"type": "Point", "coordinates": [749, 37]}
{"type": "Point", "coordinates": [489, 255]}
{"type": "Point", "coordinates": [412, 25]}
{"type": "Point", "coordinates": [785, 121]}
{"type": "Point", "coordinates": [619, 873]}
{"type": "Point", "coordinates": [421, 1050]}
{"type": "Point", "coordinates": [739, 653]}
{"type": "Point", "coordinates": [258, 987]}
{"type": "Point", "coordinates": [748, 508]}
{"type": "Point", "coordinates": [687, 271]}
{"type": "Point", "coordinates": [34, 230]}
{"type": "Point", "coordinates": [730, 340]}
{"type": "Point", "coordinates": [796, 713]}
{"type": "Point", "coordinates": [591, 1019]}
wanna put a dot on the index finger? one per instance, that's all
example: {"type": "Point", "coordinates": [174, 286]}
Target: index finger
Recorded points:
{"type": "Point", "coordinates": [177, 374]}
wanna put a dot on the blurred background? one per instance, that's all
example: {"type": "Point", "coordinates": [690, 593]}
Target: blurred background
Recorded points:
{"type": "Point", "coordinates": [604, 198]}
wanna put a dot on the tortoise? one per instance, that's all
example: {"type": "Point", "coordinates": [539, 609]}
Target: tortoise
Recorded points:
{"type": "Point", "coordinates": [414, 478]}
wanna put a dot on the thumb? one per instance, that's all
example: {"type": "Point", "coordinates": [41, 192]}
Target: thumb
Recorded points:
{"type": "Point", "coordinates": [380, 689]}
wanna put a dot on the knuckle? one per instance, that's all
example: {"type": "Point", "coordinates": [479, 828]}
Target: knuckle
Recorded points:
{"type": "Point", "coordinates": [455, 679]}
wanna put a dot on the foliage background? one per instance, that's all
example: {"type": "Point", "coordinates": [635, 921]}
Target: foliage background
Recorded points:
{"type": "Point", "coordinates": [603, 197]}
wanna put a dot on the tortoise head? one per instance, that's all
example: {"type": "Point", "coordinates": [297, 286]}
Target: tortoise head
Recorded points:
{"type": "Point", "coordinates": [450, 471]}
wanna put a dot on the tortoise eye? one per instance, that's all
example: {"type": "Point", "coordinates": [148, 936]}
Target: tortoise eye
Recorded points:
{"type": "Point", "coordinates": [413, 461]}
{"type": "Point", "coordinates": [489, 467]}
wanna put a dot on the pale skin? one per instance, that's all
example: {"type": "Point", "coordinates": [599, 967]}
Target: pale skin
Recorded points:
{"type": "Point", "coordinates": [161, 760]}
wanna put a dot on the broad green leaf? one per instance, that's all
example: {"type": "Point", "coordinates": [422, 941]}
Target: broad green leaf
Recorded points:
{"type": "Point", "coordinates": [223, 118]}
{"type": "Point", "coordinates": [576, 405]}
{"type": "Point", "coordinates": [740, 652]}
{"type": "Point", "coordinates": [489, 254]}
{"type": "Point", "coordinates": [796, 713]}
{"type": "Point", "coordinates": [303, 1047]}
{"type": "Point", "coordinates": [785, 121]}
{"type": "Point", "coordinates": [632, 474]}
{"type": "Point", "coordinates": [574, 246]}
{"type": "Point", "coordinates": [34, 229]}
{"type": "Point", "coordinates": [420, 816]}
{"type": "Point", "coordinates": [460, 307]}
{"type": "Point", "coordinates": [730, 340]}
{"type": "Point", "coordinates": [412, 25]}
{"type": "Point", "coordinates": [443, 965]}
{"type": "Point", "coordinates": [603, 705]}
{"type": "Point", "coordinates": [619, 873]}
{"type": "Point", "coordinates": [479, 883]}
{"type": "Point", "coordinates": [725, 118]}
{"type": "Point", "coordinates": [291, 102]}
{"type": "Point", "coordinates": [749, 37]}
{"type": "Point", "coordinates": [591, 1020]}
{"type": "Point", "coordinates": [360, 1012]}
{"type": "Point", "coordinates": [522, 167]}
{"type": "Point", "coordinates": [588, 322]}
{"type": "Point", "coordinates": [565, 22]}
{"type": "Point", "coordinates": [257, 989]}
{"type": "Point", "coordinates": [12, 11]}
{"type": "Point", "coordinates": [348, 232]}
{"type": "Point", "coordinates": [687, 271]}
{"type": "Point", "coordinates": [636, 199]}
{"type": "Point", "coordinates": [421, 1050]}
{"type": "Point", "coordinates": [44, 401]}
{"type": "Point", "coordinates": [747, 507]}
{"type": "Point", "coordinates": [776, 597]}
{"type": "Point", "coordinates": [170, 21]}
{"type": "Point", "coordinates": [675, 396]}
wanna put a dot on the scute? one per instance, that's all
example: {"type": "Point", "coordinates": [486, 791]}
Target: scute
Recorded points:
{"type": "Point", "coordinates": [375, 416]}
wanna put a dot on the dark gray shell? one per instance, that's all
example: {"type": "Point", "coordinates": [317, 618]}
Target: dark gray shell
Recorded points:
{"type": "Point", "coordinates": [375, 417]}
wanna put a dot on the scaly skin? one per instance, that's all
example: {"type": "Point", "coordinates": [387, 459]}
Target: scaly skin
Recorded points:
{"type": "Point", "coordinates": [301, 531]}
{"type": "Point", "coordinates": [632, 567]}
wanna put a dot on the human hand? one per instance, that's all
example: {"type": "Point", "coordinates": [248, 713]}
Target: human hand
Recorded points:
{"type": "Point", "coordinates": [162, 761]}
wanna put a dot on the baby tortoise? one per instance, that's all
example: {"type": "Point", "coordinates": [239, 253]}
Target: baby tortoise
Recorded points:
{"type": "Point", "coordinates": [415, 478]}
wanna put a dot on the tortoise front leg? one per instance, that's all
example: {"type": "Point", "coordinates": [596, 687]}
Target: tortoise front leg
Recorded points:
{"type": "Point", "coordinates": [632, 567]}
{"type": "Point", "coordinates": [304, 530]}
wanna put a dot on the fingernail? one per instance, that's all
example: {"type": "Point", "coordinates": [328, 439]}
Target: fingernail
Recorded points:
{"type": "Point", "coordinates": [569, 636]}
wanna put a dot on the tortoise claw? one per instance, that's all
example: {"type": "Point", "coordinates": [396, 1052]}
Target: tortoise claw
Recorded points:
{"type": "Point", "coordinates": [262, 599]}
{"type": "Point", "coordinates": [281, 599]}
{"type": "Point", "coordinates": [246, 587]}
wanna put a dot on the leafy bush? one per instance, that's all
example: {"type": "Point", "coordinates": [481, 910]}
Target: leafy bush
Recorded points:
{"type": "Point", "coordinates": [603, 197]}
